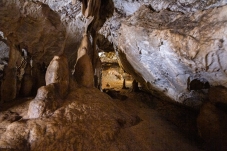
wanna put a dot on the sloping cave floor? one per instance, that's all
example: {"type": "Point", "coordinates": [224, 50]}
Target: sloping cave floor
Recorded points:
{"type": "Point", "coordinates": [159, 125]}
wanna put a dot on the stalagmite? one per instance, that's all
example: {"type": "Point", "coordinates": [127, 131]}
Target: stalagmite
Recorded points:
{"type": "Point", "coordinates": [57, 72]}
{"type": "Point", "coordinates": [83, 67]}
{"type": "Point", "coordinates": [91, 8]}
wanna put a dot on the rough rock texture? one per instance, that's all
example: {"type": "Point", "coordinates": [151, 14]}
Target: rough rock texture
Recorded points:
{"type": "Point", "coordinates": [4, 54]}
{"type": "Point", "coordinates": [128, 7]}
{"type": "Point", "coordinates": [44, 28]}
{"type": "Point", "coordinates": [58, 73]}
{"type": "Point", "coordinates": [167, 50]}
{"type": "Point", "coordinates": [33, 25]}
{"type": "Point", "coordinates": [45, 103]}
{"type": "Point", "coordinates": [78, 125]}
{"type": "Point", "coordinates": [49, 97]}
{"type": "Point", "coordinates": [91, 120]}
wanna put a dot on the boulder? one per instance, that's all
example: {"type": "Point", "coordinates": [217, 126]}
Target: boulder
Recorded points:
{"type": "Point", "coordinates": [165, 50]}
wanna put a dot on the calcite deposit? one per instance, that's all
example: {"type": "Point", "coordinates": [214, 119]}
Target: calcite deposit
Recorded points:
{"type": "Point", "coordinates": [174, 49]}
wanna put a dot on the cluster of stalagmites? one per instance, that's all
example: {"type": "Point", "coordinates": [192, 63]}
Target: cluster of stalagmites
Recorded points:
{"type": "Point", "coordinates": [87, 67]}
{"type": "Point", "coordinates": [211, 120]}
{"type": "Point", "coordinates": [48, 97]}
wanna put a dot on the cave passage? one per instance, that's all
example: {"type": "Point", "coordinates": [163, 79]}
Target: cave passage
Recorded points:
{"type": "Point", "coordinates": [118, 75]}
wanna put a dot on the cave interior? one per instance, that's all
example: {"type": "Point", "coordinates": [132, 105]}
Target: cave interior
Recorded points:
{"type": "Point", "coordinates": [118, 75]}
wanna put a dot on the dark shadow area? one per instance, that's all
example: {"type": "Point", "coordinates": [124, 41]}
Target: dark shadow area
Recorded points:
{"type": "Point", "coordinates": [199, 84]}
{"type": "Point", "coordinates": [104, 44]}
{"type": "Point", "coordinates": [115, 94]}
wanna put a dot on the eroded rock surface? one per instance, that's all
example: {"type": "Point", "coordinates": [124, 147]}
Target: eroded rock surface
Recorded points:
{"type": "Point", "coordinates": [128, 7]}
{"type": "Point", "coordinates": [167, 50]}
{"type": "Point", "coordinates": [33, 24]}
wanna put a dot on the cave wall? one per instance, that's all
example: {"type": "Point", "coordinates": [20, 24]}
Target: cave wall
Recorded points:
{"type": "Point", "coordinates": [42, 26]}
{"type": "Point", "coordinates": [167, 45]}
{"type": "Point", "coordinates": [43, 29]}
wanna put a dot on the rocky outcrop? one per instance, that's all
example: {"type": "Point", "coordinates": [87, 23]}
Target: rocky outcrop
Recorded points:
{"type": "Point", "coordinates": [34, 27]}
{"type": "Point", "coordinates": [43, 28]}
{"type": "Point", "coordinates": [45, 103]}
{"type": "Point", "coordinates": [165, 51]}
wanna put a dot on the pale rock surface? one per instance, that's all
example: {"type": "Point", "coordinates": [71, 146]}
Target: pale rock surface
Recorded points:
{"type": "Point", "coordinates": [166, 50]}
{"type": "Point", "coordinates": [128, 7]}
{"type": "Point", "coordinates": [4, 53]}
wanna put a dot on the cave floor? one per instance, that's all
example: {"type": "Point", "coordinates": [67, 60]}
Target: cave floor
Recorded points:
{"type": "Point", "coordinates": [156, 125]}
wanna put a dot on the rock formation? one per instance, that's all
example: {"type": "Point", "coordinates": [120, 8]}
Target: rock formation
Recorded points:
{"type": "Point", "coordinates": [175, 49]}
{"type": "Point", "coordinates": [48, 97]}
{"type": "Point", "coordinates": [83, 70]}
{"type": "Point", "coordinates": [32, 26]}
{"type": "Point", "coordinates": [164, 50]}
{"type": "Point", "coordinates": [45, 102]}
{"type": "Point", "coordinates": [58, 73]}
{"type": "Point", "coordinates": [88, 121]}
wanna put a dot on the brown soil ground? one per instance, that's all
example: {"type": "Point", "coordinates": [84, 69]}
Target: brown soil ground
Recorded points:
{"type": "Point", "coordinates": [158, 126]}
